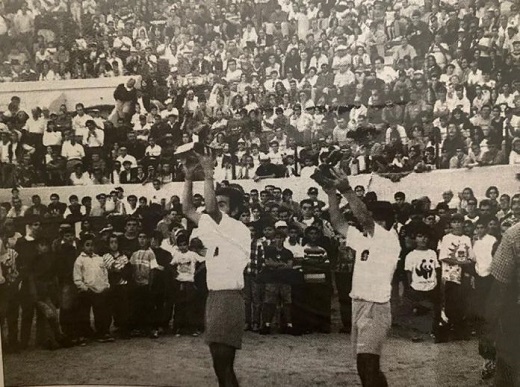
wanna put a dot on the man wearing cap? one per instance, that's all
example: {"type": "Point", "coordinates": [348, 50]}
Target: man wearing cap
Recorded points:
{"type": "Point", "coordinates": [377, 252]}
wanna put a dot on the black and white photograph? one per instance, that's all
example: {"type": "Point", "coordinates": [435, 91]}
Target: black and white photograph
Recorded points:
{"type": "Point", "coordinates": [260, 193]}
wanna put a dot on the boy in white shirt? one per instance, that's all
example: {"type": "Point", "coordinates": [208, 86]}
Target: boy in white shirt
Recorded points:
{"type": "Point", "coordinates": [456, 255]}
{"type": "Point", "coordinates": [423, 271]}
{"type": "Point", "coordinates": [185, 261]}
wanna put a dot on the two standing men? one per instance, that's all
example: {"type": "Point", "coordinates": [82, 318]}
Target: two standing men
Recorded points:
{"type": "Point", "coordinates": [228, 244]}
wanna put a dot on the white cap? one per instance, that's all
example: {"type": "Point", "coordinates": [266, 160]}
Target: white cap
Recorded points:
{"type": "Point", "coordinates": [264, 157]}
{"type": "Point", "coordinates": [173, 112]}
{"type": "Point", "coordinates": [169, 100]}
{"type": "Point", "coordinates": [309, 104]}
{"type": "Point", "coordinates": [280, 223]}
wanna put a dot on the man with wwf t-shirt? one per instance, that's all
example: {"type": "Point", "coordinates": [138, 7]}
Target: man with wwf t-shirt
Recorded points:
{"type": "Point", "coordinates": [129, 243]}
{"type": "Point", "coordinates": [377, 252]}
{"type": "Point", "coordinates": [277, 258]}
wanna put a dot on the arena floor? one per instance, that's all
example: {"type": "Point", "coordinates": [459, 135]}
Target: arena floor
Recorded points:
{"type": "Point", "coordinates": [276, 360]}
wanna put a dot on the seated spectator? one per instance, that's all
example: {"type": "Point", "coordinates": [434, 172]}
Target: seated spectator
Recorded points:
{"type": "Point", "coordinates": [80, 176]}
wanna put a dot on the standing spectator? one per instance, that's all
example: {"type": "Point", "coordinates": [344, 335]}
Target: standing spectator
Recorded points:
{"type": "Point", "coordinates": [119, 276]}
{"type": "Point", "coordinates": [185, 262]}
{"type": "Point", "coordinates": [143, 263]}
{"type": "Point", "coordinates": [277, 260]}
{"type": "Point", "coordinates": [91, 278]}
{"type": "Point", "coordinates": [26, 247]}
{"type": "Point", "coordinates": [456, 254]}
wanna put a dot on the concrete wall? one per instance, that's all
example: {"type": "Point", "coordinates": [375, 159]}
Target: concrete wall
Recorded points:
{"type": "Point", "coordinates": [415, 185]}
{"type": "Point", "coordinates": [90, 92]}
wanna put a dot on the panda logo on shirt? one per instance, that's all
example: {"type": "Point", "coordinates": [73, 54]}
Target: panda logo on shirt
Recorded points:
{"type": "Point", "coordinates": [425, 269]}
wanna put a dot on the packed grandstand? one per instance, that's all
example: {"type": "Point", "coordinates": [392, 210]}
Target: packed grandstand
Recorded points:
{"type": "Point", "coordinates": [274, 87]}
{"type": "Point", "coordinates": [397, 87]}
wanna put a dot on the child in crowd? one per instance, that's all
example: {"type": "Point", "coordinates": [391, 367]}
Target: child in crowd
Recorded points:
{"type": "Point", "coordinates": [185, 262]}
{"type": "Point", "coordinates": [161, 290]}
{"type": "Point", "coordinates": [47, 295]}
{"type": "Point", "coordinates": [91, 278]}
{"type": "Point", "coordinates": [119, 276]}
{"type": "Point", "coordinates": [423, 271]}
{"type": "Point", "coordinates": [277, 258]}
{"type": "Point", "coordinates": [143, 262]}
{"type": "Point", "coordinates": [456, 255]}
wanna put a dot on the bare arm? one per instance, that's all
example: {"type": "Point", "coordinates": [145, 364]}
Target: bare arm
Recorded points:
{"type": "Point", "coordinates": [336, 217]}
{"type": "Point", "coordinates": [359, 209]}
{"type": "Point", "coordinates": [187, 194]}
{"type": "Point", "coordinates": [210, 198]}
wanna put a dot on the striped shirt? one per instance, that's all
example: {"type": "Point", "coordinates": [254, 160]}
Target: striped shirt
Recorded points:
{"type": "Point", "coordinates": [143, 262]}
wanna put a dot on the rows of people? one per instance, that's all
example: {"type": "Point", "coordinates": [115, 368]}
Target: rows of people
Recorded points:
{"type": "Point", "coordinates": [142, 268]}
{"type": "Point", "coordinates": [400, 86]}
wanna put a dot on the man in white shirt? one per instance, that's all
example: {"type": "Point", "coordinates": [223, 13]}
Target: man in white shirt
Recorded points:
{"type": "Point", "coordinates": [95, 137]}
{"type": "Point", "coordinates": [233, 74]}
{"type": "Point", "coordinates": [377, 253]}
{"type": "Point", "coordinates": [79, 122]}
{"type": "Point", "coordinates": [124, 156]}
{"type": "Point", "coordinates": [228, 244]}
{"type": "Point", "coordinates": [270, 84]}
{"type": "Point", "coordinates": [73, 152]}
{"type": "Point", "coordinates": [484, 247]}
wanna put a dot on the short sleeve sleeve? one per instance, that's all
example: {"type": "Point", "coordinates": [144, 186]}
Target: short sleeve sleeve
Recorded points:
{"type": "Point", "coordinates": [355, 238]}
{"type": "Point", "coordinates": [408, 262]}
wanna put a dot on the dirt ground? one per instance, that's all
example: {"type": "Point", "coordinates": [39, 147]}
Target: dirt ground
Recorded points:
{"type": "Point", "coordinates": [275, 360]}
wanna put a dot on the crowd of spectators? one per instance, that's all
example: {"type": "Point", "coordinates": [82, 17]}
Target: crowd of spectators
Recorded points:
{"type": "Point", "coordinates": [150, 279]}
{"type": "Point", "coordinates": [398, 86]}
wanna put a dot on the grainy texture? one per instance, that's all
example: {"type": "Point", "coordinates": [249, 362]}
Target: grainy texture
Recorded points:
{"type": "Point", "coordinates": [314, 360]}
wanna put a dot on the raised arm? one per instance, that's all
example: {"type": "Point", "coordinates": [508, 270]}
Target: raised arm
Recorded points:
{"type": "Point", "coordinates": [210, 199]}
{"type": "Point", "coordinates": [188, 208]}
{"type": "Point", "coordinates": [359, 209]}
{"type": "Point", "coordinates": [336, 217]}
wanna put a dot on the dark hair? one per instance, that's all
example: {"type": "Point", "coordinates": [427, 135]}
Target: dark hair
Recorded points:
{"type": "Point", "coordinates": [307, 201]}
{"type": "Point", "coordinates": [87, 237]}
{"type": "Point", "coordinates": [157, 235]}
{"type": "Point", "coordinates": [400, 195]}
{"type": "Point", "coordinates": [236, 198]}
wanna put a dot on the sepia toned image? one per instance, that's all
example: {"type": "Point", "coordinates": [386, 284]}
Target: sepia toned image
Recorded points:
{"type": "Point", "coordinates": [282, 193]}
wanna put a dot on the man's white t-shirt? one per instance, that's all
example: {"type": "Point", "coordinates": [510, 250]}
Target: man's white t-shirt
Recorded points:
{"type": "Point", "coordinates": [423, 265]}
{"type": "Point", "coordinates": [376, 260]}
{"type": "Point", "coordinates": [228, 246]}
{"type": "Point", "coordinates": [483, 249]}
